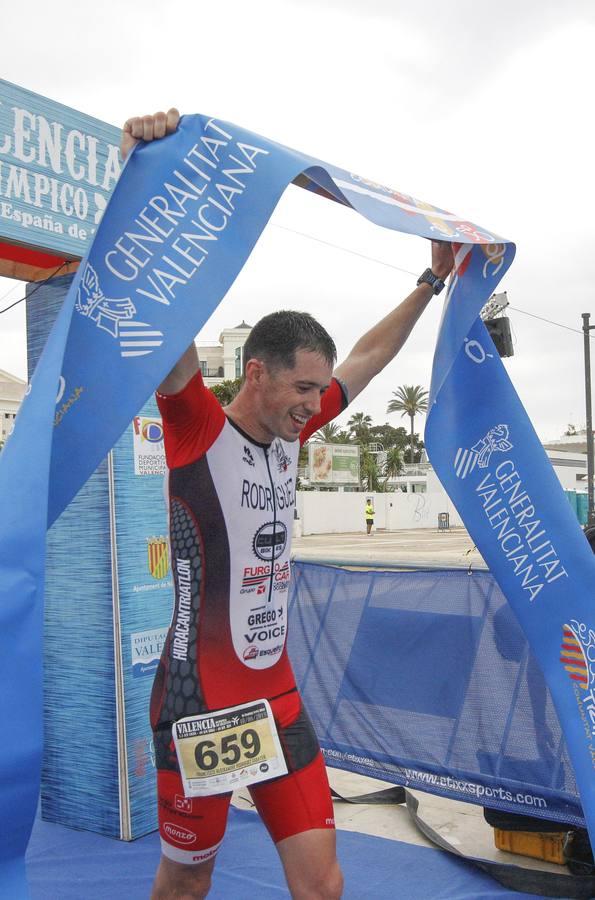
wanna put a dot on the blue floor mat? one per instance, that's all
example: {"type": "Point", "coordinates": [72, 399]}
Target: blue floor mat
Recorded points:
{"type": "Point", "coordinates": [63, 864]}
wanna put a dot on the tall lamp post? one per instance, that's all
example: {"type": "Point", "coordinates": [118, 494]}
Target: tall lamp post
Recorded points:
{"type": "Point", "coordinates": [590, 465]}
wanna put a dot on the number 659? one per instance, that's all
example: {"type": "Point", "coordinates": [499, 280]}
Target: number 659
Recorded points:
{"type": "Point", "coordinates": [230, 752]}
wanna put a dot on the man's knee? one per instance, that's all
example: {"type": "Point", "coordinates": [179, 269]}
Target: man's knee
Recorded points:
{"type": "Point", "coordinates": [319, 884]}
{"type": "Point", "coordinates": [332, 887]}
{"type": "Point", "coordinates": [180, 882]}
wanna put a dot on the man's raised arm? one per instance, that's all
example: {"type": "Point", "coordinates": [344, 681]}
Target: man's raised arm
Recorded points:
{"type": "Point", "coordinates": [186, 367]}
{"type": "Point", "coordinates": [381, 344]}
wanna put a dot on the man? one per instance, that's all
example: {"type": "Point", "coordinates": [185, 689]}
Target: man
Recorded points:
{"type": "Point", "coordinates": [232, 495]}
{"type": "Point", "coordinates": [369, 515]}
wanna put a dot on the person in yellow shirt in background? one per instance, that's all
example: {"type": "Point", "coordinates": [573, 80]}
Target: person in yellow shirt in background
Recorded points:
{"type": "Point", "coordinates": [369, 515]}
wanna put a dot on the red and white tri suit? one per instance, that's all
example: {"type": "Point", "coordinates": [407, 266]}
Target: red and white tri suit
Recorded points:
{"type": "Point", "coordinates": [232, 503]}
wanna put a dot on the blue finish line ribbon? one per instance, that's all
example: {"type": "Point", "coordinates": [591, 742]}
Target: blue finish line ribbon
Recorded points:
{"type": "Point", "coordinates": [182, 221]}
{"type": "Point", "coordinates": [493, 466]}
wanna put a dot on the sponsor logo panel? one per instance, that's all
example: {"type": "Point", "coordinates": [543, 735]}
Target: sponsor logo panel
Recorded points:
{"type": "Point", "coordinates": [116, 316]}
{"type": "Point", "coordinates": [146, 647]}
{"type": "Point", "coordinates": [178, 834]}
{"type": "Point", "coordinates": [573, 658]}
{"type": "Point", "coordinates": [270, 540]}
{"type": "Point", "coordinates": [143, 750]}
{"type": "Point", "coordinates": [255, 577]}
{"type": "Point", "coordinates": [577, 655]}
{"type": "Point", "coordinates": [497, 439]}
{"type": "Point", "coordinates": [520, 534]}
{"type": "Point", "coordinates": [183, 804]}
{"type": "Point", "coordinates": [179, 806]}
{"type": "Point", "coordinates": [282, 460]}
{"type": "Point", "coordinates": [148, 448]}
{"type": "Point", "coordinates": [158, 556]}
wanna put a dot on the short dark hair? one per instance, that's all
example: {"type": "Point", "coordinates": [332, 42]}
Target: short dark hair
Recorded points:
{"type": "Point", "coordinates": [276, 338]}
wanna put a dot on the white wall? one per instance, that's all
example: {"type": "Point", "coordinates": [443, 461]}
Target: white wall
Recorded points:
{"type": "Point", "coordinates": [419, 510]}
{"type": "Point", "coordinates": [329, 512]}
{"type": "Point", "coordinates": [326, 512]}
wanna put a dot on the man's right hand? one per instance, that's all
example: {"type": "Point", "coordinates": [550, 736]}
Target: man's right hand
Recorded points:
{"type": "Point", "coordinates": [148, 128]}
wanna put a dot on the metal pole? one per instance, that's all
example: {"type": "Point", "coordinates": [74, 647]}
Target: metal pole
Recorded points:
{"type": "Point", "coordinates": [590, 466]}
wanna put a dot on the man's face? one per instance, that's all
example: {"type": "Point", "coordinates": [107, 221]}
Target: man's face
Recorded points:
{"type": "Point", "coordinates": [289, 397]}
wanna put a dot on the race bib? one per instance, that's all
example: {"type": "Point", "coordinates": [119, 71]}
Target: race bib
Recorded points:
{"type": "Point", "coordinates": [228, 749]}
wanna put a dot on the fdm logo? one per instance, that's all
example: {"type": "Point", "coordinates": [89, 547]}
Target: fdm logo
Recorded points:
{"type": "Point", "coordinates": [480, 453]}
{"type": "Point", "coordinates": [116, 317]}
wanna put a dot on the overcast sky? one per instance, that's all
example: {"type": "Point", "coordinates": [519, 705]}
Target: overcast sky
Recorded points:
{"type": "Point", "coordinates": [482, 109]}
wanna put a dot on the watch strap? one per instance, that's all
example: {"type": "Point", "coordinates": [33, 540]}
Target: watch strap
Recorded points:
{"type": "Point", "coordinates": [435, 283]}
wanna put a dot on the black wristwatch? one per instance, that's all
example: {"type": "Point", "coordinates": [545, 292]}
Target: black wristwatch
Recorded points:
{"type": "Point", "coordinates": [435, 283]}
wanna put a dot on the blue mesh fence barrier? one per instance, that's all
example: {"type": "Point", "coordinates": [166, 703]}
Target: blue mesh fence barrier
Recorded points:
{"type": "Point", "coordinates": [424, 678]}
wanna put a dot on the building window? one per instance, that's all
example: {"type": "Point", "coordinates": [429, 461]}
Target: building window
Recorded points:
{"type": "Point", "coordinates": [203, 368]}
{"type": "Point", "coordinates": [238, 362]}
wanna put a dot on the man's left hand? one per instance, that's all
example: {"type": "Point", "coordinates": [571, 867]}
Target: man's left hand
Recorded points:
{"type": "Point", "coordinates": [148, 128]}
{"type": "Point", "coordinates": [442, 259]}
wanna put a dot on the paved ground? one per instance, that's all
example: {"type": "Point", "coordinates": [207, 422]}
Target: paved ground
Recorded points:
{"type": "Point", "coordinates": [419, 547]}
{"type": "Point", "coordinates": [461, 824]}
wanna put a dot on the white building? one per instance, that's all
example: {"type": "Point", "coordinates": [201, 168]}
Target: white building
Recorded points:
{"type": "Point", "coordinates": [576, 441]}
{"type": "Point", "coordinates": [12, 391]}
{"type": "Point", "coordinates": [224, 361]}
{"type": "Point", "coordinates": [414, 500]}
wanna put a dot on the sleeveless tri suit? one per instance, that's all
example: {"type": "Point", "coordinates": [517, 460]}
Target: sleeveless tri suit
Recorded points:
{"type": "Point", "coordinates": [231, 508]}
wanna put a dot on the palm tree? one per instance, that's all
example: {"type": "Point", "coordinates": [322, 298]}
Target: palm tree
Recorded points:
{"type": "Point", "coordinates": [393, 465]}
{"type": "Point", "coordinates": [368, 471]}
{"type": "Point", "coordinates": [409, 400]}
{"type": "Point", "coordinates": [359, 427]}
{"type": "Point", "coordinates": [328, 434]}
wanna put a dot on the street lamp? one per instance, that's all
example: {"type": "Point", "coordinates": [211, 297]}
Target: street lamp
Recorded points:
{"type": "Point", "coordinates": [587, 350]}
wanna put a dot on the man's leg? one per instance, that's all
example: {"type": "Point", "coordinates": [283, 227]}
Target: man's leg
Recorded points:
{"type": "Point", "coordinates": [191, 830]}
{"type": "Point", "coordinates": [297, 808]}
{"type": "Point", "coordinates": [311, 867]}
{"type": "Point", "coordinates": [176, 881]}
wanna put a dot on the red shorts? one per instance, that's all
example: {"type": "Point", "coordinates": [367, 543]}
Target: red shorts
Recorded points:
{"type": "Point", "coordinates": [192, 828]}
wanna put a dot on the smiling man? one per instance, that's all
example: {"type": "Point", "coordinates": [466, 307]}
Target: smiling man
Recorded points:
{"type": "Point", "coordinates": [225, 710]}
